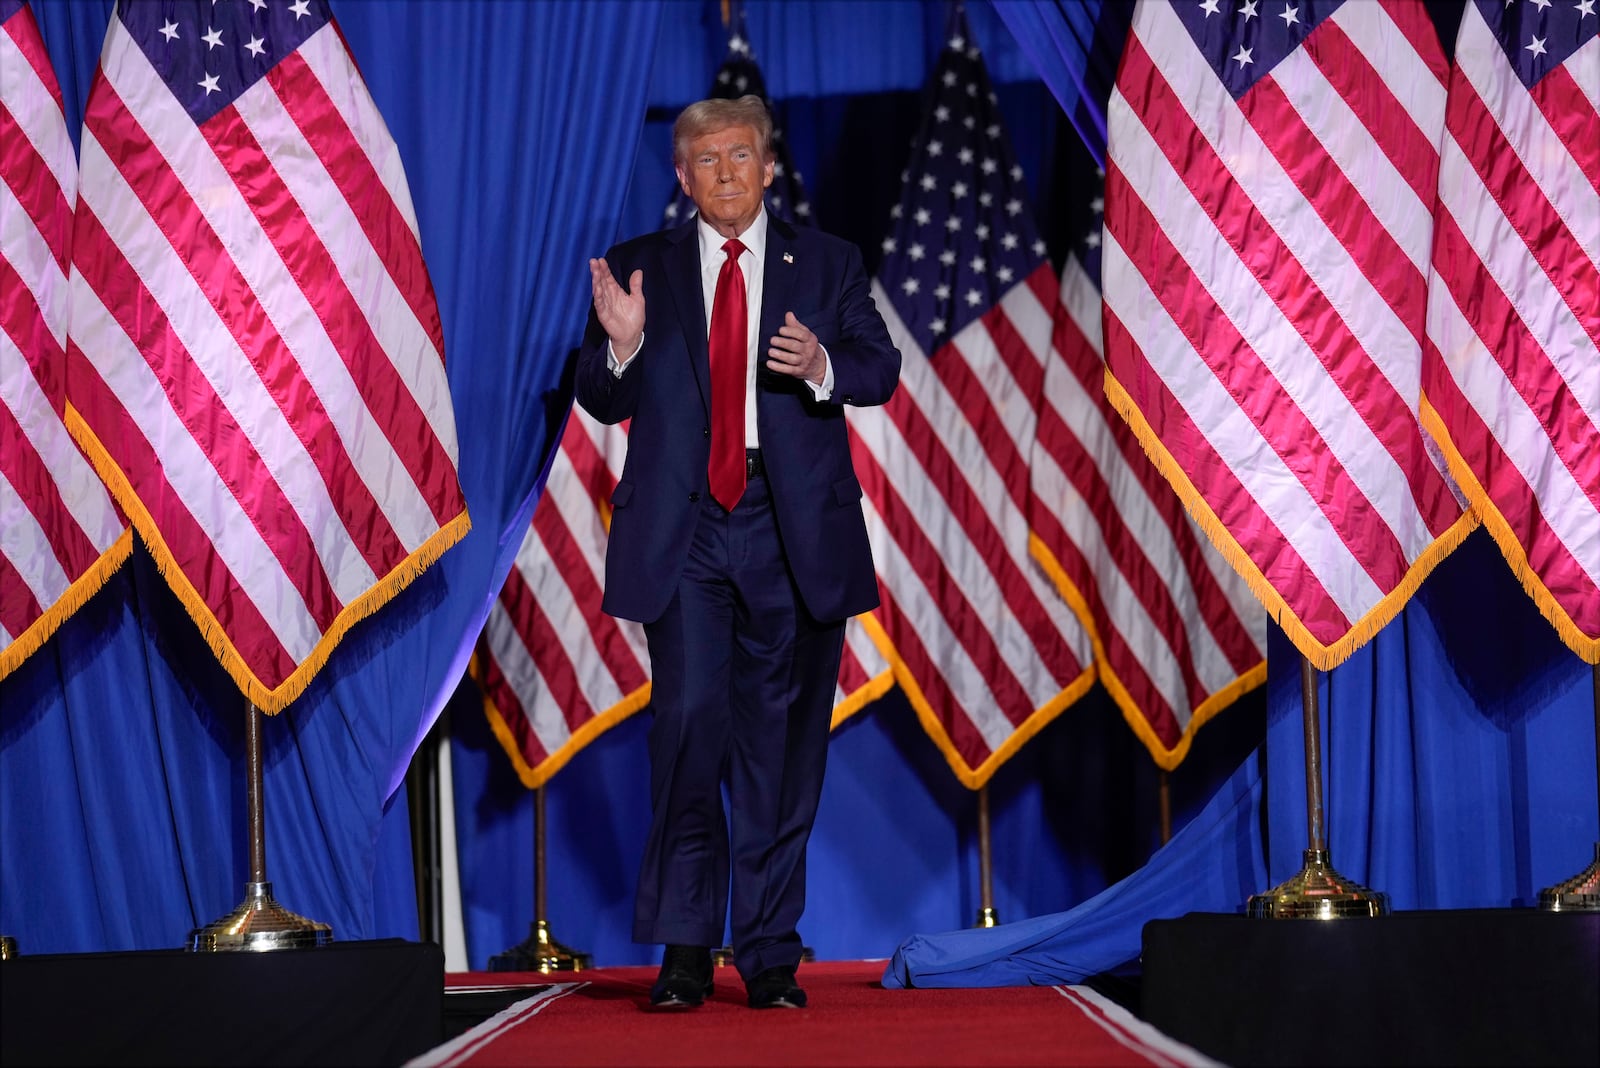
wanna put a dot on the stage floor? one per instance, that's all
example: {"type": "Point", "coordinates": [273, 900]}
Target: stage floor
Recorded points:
{"type": "Point", "coordinates": [601, 1017]}
{"type": "Point", "coordinates": [1500, 987]}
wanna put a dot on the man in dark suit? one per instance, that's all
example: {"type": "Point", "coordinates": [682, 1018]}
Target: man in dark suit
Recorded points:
{"type": "Point", "coordinates": [737, 538]}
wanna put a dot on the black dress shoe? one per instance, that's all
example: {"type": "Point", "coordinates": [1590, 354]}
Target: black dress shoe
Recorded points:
{"type": "Point", "coordinates": [775, 988]}
{"type": "Point", "coordinates": [685, 978]}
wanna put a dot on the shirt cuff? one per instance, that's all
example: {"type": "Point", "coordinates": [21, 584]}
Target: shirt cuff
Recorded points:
{"type": "Point", "coordinates": [618, 366]}
{"type": "Point", "coordinates": [824, 391]}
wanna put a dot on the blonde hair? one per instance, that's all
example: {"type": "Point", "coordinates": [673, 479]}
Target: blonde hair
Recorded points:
{"type": "Point", "coordinates": [719, 113]}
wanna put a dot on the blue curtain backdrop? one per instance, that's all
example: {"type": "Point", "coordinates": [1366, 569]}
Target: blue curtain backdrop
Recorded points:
{"type": "Point", "coordinates": [1460, 742]}
{"type": "Point", "coordinates": [1458, 746]}
{"type": "Point", "coordinates": [895, 848]}
{"type": "Point", "coordinates": [121, 742]}
{"type": "Point", "coordinates": [1074, 45]}
{"type": "Point", "coordinates": [1459, 765]}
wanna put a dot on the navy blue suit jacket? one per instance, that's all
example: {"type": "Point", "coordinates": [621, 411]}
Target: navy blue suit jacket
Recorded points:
{"type": "Point", "coordinates": [665, 391]}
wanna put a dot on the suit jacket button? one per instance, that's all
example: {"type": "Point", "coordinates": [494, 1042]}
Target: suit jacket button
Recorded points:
{"type": "Point", "coordinates": [694, 498]}
{"type": "Point", "coordinates": [848, 399]}
{"type": "Point", "coordinates": [705, 431]}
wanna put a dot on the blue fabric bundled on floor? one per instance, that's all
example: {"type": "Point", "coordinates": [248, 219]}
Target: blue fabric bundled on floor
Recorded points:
{"type": "Point", "coordinates": [1213, 865]}
{"type": "Point", "coordinates": [1458, 758]}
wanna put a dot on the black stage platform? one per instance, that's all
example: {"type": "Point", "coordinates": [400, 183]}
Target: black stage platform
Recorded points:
{"type": "Point", "coordinates": [1467, 987]}
{"type": "Point", "coordinates": [347, 1003]}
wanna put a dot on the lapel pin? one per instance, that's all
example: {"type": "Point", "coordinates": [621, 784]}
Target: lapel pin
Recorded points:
{"type": "Point", "coordinates": [788, 257]}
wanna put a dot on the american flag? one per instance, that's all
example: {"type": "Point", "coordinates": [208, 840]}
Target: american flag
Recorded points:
{"type": "Point", "coordinates": [555, 670]}
{"type": "Point", "coordinates": [1512, 366]}
{"type": "Point", "coordinates": [984, 647]}
{"type": "Point", "coordinates": [255, 348]}
{"type": "Point", "coordinates": [1269, 203]}
{"type": "Point", "coordinates": [60, 534]}
{"type": "Point", "coordinates": [1177, 633]}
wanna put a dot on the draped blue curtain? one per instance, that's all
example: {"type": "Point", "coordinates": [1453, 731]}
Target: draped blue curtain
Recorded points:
{"type": "Point", "coordinates": [811, 48]}
{"type": "Point", "coordinates": [895, 845]}
{"type": "Point", "coordinates": [1074, 45]}
{"type": "Point", "coordinates": [122, 805]}
{"type": "Point", "coordinates": [1460, 743]}
{"type": "Point", "coordinates": [1458, 752]}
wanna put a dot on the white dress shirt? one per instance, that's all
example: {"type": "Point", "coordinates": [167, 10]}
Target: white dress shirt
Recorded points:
{"type": "Point", "coordinates": [751, 264]}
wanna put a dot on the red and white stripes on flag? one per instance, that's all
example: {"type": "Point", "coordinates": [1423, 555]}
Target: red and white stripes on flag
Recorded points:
{"type": "Point", "coordinates": [60, 534]}
{"type": "Point", "coordinates": [1511, 372]}
{"type": "Point", "coordinates": [1269, 202]}
{"type": "Point", "coordinates": [864, 672]}
{"type": "Point", "coordinates": [982, 644]}
{"type": "Point", "coordinates": [255, 352]}
{"type": "Point", "coordinates": [555, 670]}
{"type": "Point", "coordinates": [1177, 633]}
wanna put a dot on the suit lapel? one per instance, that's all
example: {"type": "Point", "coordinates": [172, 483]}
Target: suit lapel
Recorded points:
{"type": "Point", "coordinates": [776, 281]}
{"type": "Point", "coordinates": [682, 264]}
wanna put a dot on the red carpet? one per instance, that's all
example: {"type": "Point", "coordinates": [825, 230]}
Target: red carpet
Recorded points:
{"type": "Point", "coordinates": [601, 1017]}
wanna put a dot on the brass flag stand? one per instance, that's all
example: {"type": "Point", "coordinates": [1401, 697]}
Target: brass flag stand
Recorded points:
{"type": "Point", "coordinates": [1317, 891]}
{"type": "Point", "coordinates": [539, 952]}
{"type": "Point", "coordinates": [259, 922]}
{"type": "Point", "coordinates": [987, 917]}
{"type": "Point", "coordinates": [1581, 893]}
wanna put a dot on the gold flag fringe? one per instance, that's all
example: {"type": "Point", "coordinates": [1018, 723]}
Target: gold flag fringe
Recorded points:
{"type": "Point", "coordinates": [1167, 758]}
{"type": "Point", "coordinates": [534, 776]}
{"type": "Point", "coordinates": [864, 695]}
{"type": "Point", "coordinates": [269, 700]}
{"type": "Point", "coordinates": [74, 597]}
{"type": "Point", "coordinates": [1322, 657]}
{"type": "Point", "coordinates": [1587, 646]}
{"type": "Point", "coordinates": [974, 778]}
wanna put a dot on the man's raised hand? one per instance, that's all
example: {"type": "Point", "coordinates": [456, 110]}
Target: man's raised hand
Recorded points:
{"type": "Point", "coordinates": [620, 311]}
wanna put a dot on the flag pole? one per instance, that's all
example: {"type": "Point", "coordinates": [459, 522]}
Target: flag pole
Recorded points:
{"type": "Point", "coordinates": [1317, 891]}
{"type": "Point", "coordinates": [259, 922]}
{"type": "Point", "coordinates": [539, 952]}
{"type": "Point", "coordinates": [987, 917]}
{"type": "Point", "coordinates": [1581, 893]}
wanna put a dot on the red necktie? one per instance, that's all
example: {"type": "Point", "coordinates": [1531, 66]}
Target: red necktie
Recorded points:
{"type": "Point", "coordinates": [729, 357]}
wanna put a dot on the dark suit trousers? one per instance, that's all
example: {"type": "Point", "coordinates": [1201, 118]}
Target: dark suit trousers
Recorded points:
{"type": "Point", "coordinates": [742, 685]}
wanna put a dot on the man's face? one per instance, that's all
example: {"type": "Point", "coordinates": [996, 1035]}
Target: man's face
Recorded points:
{"type": "Point", "coordinates": [725, 175]}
